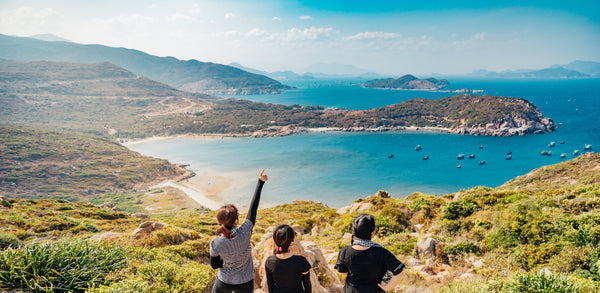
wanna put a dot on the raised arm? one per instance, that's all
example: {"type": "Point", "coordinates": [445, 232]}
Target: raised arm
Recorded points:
{"type": "Point", "coordinates": [262, 178]}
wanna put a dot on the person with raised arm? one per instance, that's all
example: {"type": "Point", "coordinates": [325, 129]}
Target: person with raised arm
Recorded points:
{"type": "Point", "coordinates": [231, 251]}
{"type": "Point", "coordinates": [366, 262]}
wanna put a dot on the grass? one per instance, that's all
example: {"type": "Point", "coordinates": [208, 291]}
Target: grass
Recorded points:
{"type": "Point", "coordinates": [63, 266]}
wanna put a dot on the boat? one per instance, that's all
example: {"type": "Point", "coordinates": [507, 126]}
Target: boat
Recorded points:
{"type": "Point", "coordinates": [480, 146]}
{"type": "Point", "coordinates": [460, 156]}
{"type": "Point", "coordinates": [426, 157]}
{"type": "Point", "coordinates": [459, 166]}
{"type": "Point", "coordinates": [551, 144]}
{"type": "Point", "coordinates": [546, 153]}
{"type": "Point", "coordinates": [563, 155]}
{"type": "Point", "coordinates": [576, 153]}
{"type": "Point", "coordinates": [587, 147]}
{"type": "Point", "coordinates": [508, 157]}
{"type": "Point", "coordinates": [471, 156]}
{"type": "Point", "coordinates": [562, 142]}
{"type": "Point", "coordinates": [509, 153]}
{"type": "Point", "coordinates": [418, 147]}
{"type": "Point", "coordinates": [390, 156]}
{"type": "Point", "coordinates": [481, 162]}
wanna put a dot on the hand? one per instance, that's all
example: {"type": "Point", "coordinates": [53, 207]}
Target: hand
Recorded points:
{"type": "Point", "coordinates": [263, 177]}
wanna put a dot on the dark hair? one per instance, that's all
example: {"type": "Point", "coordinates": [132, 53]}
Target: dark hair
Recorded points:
{"type": "Point", "coordinates": [363, 226]}
{"type": "Point", "coordinates": [226, 216]}
{"type": "Point", "coordinates": [283, 236]}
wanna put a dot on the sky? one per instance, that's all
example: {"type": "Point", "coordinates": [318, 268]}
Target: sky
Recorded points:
{"type": "Point", "coordinates": [386, 37]}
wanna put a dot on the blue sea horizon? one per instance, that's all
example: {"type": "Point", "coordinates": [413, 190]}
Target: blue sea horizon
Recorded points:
{"type": "Point", "coordinates": [336, 167]}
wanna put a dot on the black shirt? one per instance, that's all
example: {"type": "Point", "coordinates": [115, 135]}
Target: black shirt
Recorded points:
{"type": "Point", "coordinates": [287, 275]}
{"type": "Point", "coordinates": [366, 268]}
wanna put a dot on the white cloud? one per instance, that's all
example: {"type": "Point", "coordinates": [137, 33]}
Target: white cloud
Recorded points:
{"type": "Point", "coordinates": [276, 18]}
{"type": "Point", "coordinates": [307, 34]}
{"type": "Point", "coordinates": [181, 17]}
{"type": "Point", "coordinates": [305, 17]}
{"type": "Point", "coordinates": [26, 20]}
{"type": "Point", "coordinates": [371, 35]}
{"type": "Point", "coordinates": [229, 15]}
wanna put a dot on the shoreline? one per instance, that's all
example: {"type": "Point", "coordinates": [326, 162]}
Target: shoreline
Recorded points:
{"type": "Point", "coordinates": [258, 134]}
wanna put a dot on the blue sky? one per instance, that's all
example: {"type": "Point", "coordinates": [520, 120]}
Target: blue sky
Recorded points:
{"type": "Point", "coordinates": [388, 37]}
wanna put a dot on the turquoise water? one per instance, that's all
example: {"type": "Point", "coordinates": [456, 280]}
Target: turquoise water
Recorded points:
{"type": "Point", "coordinates": [337, 168]}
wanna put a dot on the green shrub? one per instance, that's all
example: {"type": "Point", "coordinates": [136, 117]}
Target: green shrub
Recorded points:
{"type": "Point", "coordinates": [544, 282]}
{"type": "Point", "coordinates": [8, 240]}
{"type": "Point", "coordinates": [463, 207]}
{"type": "Point", "coordinates": [66, 265]}
{"type": "Point", "coordinates": [461, 248]}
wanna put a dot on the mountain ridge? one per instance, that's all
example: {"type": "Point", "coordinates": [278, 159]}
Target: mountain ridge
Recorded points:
{"type": "Point", "coordinates": [191, 75]}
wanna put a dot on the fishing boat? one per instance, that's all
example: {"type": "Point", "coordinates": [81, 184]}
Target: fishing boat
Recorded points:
{"type": "Point", "coordinates": [426, 157]}
{"type": "Point", "coordinates": [480, 146]}
{"type": "Point", "coordinates": [471, 156]}
{"type": "Point", "coordinates": [508, 157]}
{"type": "Point", "coordinates": [481, 162]}
{"type": "Point", "coordinates": [562, 142]}
{"type": "Point", "coordinates": [390, 156]}
{"type": "Point", "coordinates": [587, 147]}
{"type": "Point", "coordinates": [546, 153]}
{"type": "Point", "coordinates": [576, 153]}
{"type": "Point", "coordinates": [551, 144]}
{"type": "Point", "coordinates": [459, 166]}
{"type": "Point", "coordinates": [460, 156]}
{"type": "Point", "coordinates": [418, 147]}
{"type": "Point", "coordinates": [563, 155]}
{"type": "Point", "coordinates": [509, 153]}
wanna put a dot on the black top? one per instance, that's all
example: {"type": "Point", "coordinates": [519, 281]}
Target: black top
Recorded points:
{"type": "Point", "coordinates": [366, 268]}
{"type": "Point", "coordinates": [288, 275]}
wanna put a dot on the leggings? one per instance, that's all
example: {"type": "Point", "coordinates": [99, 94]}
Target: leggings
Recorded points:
{"type": "Point", "coordinates": [220, 287]}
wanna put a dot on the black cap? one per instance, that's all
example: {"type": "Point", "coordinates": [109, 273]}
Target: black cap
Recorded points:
{"type": "Point", "coordinates": [363, 226]}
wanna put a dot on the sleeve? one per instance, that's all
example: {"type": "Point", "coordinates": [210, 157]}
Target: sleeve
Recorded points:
{"type": "Point", "coordinates": [216, 262]}
{"type": "Point", "coordinates": [340, 266]}
{"type": "Point", "coordinates": [306, 283]}
{"type": "Point", "coordinates": [270, 282]}
{"type": "Point", "coordinates": [254, 203]}
{"type": "Point", "coordinates": [215, 259]}
{"type": "Point", "coordinates": [392, 263]}
{"type": "Point", "coordinates": [306, 275]}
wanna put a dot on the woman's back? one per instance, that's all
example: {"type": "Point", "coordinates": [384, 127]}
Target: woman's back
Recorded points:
{"type": "Point", "coordinates": [285, 275]}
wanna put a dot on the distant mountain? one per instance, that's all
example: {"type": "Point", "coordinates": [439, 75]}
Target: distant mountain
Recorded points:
{"type": "Point", "coordinates": [573, 70]}
{"type": "Point", "coordinates": [407, 82]}
{"type": "Point", "coordinates": [49, 38]}
{"type": "Point", "coordinates": [335, 69]}
{"type": "Point", "coordinates": [586, 67]}
{"type": "Point", "coordinates": [191, 75]}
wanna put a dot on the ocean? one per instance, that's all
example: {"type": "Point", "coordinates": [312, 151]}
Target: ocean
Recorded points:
{"type": "Point", "coordinates": [336, 167]}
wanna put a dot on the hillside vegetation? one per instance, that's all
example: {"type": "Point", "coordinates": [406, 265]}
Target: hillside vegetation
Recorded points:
{"type": "Point", "coordinates": [70, 165]}
{"type": "Point", "coordinates": [105, 99]}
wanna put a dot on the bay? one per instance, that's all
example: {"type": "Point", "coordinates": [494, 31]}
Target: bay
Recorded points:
{"type": "Point", "coordinates": [337, 168]}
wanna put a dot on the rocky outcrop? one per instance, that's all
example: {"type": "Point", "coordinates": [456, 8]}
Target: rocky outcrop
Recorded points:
{"type": "Point", "coordinates": [322, 277]}
{"type": "Point", "coordinates": [407, 82]}
{"type": "Point", "coordinates": [147, 228]}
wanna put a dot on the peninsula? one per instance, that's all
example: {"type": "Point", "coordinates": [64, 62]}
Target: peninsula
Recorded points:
{"type": "Point", "coordinates": [106, 99]}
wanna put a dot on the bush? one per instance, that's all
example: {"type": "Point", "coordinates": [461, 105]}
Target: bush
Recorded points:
{"type": "Point", "coordinates": [62, 266]}
{"type": "Point", "coordinates": [461, 248]}
{"type": "Point", "coordinates": [543, 282]}
{"type": "Point", "coordinates": [8, 240]}
{"type": "Point", "coordinates": [461, 208]}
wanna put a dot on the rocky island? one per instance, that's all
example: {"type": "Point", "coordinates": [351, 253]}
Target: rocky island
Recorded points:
{"type": "Point", "coordinates": [407, 82]}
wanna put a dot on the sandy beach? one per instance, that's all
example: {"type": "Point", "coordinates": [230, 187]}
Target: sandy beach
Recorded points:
{"type": "Point", "coordinates": [203, 189]}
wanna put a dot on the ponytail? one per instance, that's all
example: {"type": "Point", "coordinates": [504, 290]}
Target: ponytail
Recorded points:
{"type": "Point", "coordinates": [283, 236]}
{"type": "Point", "coordinates": [226, 217]}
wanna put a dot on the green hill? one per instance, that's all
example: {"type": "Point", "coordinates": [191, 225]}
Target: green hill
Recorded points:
{"type": "Point", "coordinates": [70, 165]}
{"type": "Point", "coordinates": [190, 75]}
